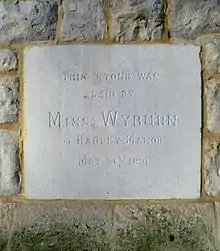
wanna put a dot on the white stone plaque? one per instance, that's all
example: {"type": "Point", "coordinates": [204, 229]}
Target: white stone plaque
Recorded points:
{"type": "Point", "coordinates": [112, 122]}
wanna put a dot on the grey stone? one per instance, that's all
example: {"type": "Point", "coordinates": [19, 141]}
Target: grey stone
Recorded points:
{"type": "Point", "coordinates": [90, 226]}
{"type": "Point", "coordinates": [9, 163]}
{"type": "Point", "coordinates": [137, 20]}
{"type": "Point", "coordinates": [167, 227]}
{"type": "Point", "coordinates": [22, 21]}
{"type": "Point", "coordinates": [6, 224]}
{"type": "Point", "coordinates": [8, 60]}
{"type": "Point", "coordinates": [213, 105]}
{"type": "Point", "coordinates": [9, 99]}
{"type": "Point", "coordinates": [217, 222]}
{"type": "Point", "coordinates": [211, 57]}
{"type": "Point", "coordinates": [83, 20]}
{"type": "Point", "coordinates": [212, 164]}
{"type": "Point", "coordinates": [190, 19]}
{"type": "Point", "coordinates": [78, 142]}
{"type": "Point", "coordinates": [61, 226]}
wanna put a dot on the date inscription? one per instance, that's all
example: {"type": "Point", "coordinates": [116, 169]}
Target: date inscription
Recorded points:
{"type": "Point", "coordinates": [116, 161]}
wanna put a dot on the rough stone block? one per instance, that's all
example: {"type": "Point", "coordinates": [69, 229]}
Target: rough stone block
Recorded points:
{"type": "Point", "coordinates": [211, 57]}
{"type": "Point", "coordinates": [75, 226]}
{"type": "Point", "coordinates": [190, 19]}
{"type": "Point", "coordinates": [165, 227]}
{"type": "Point", "coordinates": [6, 224]}
{"type": "Point", "coordinates": [8, 60]}
{"type": "Point", "coordinates": [212, 164]}
{"type": "Point", "coordinates": [9, 163]}
{"type": "Point", "coordinates": [213, 105]}
{"type": "Point", "coordinates": [22, 21]}
{"type": "Point", "coordinates": [137, 20]}
{"type": "Point", "coordinates": [83, 20]}
{"type": "Point", "coordinates": [217, 222]}
{"type": "Point", "coordinates": [61, 226]}
{"type": "Point", "coordinates": [9, 99]}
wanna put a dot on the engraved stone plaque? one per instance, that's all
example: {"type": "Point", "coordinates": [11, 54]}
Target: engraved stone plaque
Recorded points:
{"type": "Point", "coordinates": [112, 122]}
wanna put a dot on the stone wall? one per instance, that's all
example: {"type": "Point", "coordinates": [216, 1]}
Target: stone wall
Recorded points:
{"type": "Point", "coordinates": [113, 225]}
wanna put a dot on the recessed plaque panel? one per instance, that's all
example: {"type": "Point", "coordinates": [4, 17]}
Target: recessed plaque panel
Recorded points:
{"type": "Point", "coordinates": [112, 122]}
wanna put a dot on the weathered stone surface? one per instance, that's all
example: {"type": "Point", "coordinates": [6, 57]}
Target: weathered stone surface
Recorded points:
{"type": "Point", "coordinates": [73, 226]}
{"type": "Point", "coordinates": [217, 223]}
{"type": "Point", "coordinates": [190, 19]}
{"type": "Point", "coordinates": [212, 90]}
{"type": "Point", "coordinates": [83, 20]}
{"type": "Point", "coordinates": [211, 57]}
{"type": "Point", "coordinates": [137, 19]}
{"type": "Point", "coordinates": [9, 99]}
{"type": "Point", "coordinates": [22, 21]}
{"type": "Point", "coordinates": [8, 60]}
{"type": "Point", "coordinates": [183, 227]}
{"type": "Point", "coordinates": [212, 163]}
{"type": "Point", "coordinates": [6, 224]}
{"type": "Point", "coordinates": [9, 163]}
{"type": "Point", "coordinates": [61, 226]}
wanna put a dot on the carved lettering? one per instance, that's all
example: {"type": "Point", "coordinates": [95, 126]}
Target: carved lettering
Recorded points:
{"type": "Point", "coordinates": [137, 120]}
{"type": "Point", "coordinates": [116, 161]}
{"type": "Point", "coordinates": [138, 161]}
{"type": "Point", "coordinates": [54, 119]}
{"type": "Point", "coordinates": [88, 161]}
{"type": "Point", "coordinates": [107, 94]}
{"type": "Point", "coordinates": [95, 140]}
{"type": "Point", "coordinates": [107, 76]}
{"type": "Point", "coordinates": [127, 93]}
{"type": "Point", "coordinates": [133, 140]}
{"type": "Point", "coordinates": [59, 120]}
{"type": "Point", "coordinates": [125, 118]}
{"type": "Point", "coordinates": [111, 116]}
{"type": "Point", "coordinates": [114, 76]}
{"type": "Point", "coordinates": [119, 161]}
{"type": "Point", "coordinates": [68, 76]}
{"type": "Point", "coordinates": [103, 94]}
{"type": "Point", "coordinates": [147, 76]}
{"type": "Point", "coordinates": [172, 120]}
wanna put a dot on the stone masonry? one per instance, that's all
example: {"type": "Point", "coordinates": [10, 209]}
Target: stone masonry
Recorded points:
{"type": "Point", "coordinates": [184, 225]}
